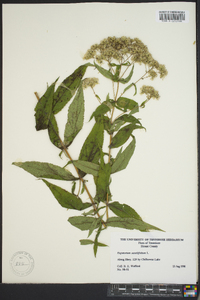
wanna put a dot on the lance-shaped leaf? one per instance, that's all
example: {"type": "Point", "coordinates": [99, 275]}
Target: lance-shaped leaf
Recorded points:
{"type": "Point", "coordinates": [75, 117]}
{"type": "Point", "coordinates": [45, 170]}
{"type": "Point", "coordinates": [54, 132]}
{"type": "Point", "coordinates": [73, 187]}
{"type": "Point", "coordinates": [126, 103]}
{"type": "Point", "coordinates": [119, 122]}
{"type": "Point", "coordinates": [43, 108]}
{"type": "Point", "coordinates": [93, 211]}
{"type": "Point", "coordinates": [93, 226]}
{"type": "Point", "coordinates": [128, 78]}
{"type": "Point", "coordinates": [87, 167]}
{"type": "Point", "coordinates": [129, 86]}
{"type": "Point", "coordinates": [96, 240]}
{"type": "Point", "coordinates": [90, 242]}
{"type": "Point", "coordinates": [100, 110]}
{"type": "Point", "coordinates": [128, 119]}
{"type": "Point", "coordinates": [107, 124]}
{"type": "Point", "coordinates": [123, 210]}
{"type": "Point", "coordinates": [116, 125]}
{"type": "Point", "coordinates": [86, 242]}
{"type": "Point", "coordinates": [105, 73]}
{"type": "Point", "coordinates": [122, 136]}
{"type": "Point", "coordinates": [102, 181]}
{"type": "Point", "coordinates": [92, 146]}
{"type": "Point", "coordinates": [117, 72]}
{"type": "Point", "coordinates": [83, 223]}
{"type": "Point", "coordinates": [65, 198]}
{"type": "Point", "coordinates": [101, 245]}
{"type": "Point", "coordinates": [122, 158]}
{"type": "Point", "coordinates": [68, 88]}
{"type": "Point", "coordinates": [130, 223]}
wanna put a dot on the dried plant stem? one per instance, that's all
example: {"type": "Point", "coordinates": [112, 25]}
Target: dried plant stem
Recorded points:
{"type": "Point", "coordinates": [124, 71]}
{"type": "Point", "coordinates": [143, 75]}
{"type": "Point", "coordinates": [109, 154]}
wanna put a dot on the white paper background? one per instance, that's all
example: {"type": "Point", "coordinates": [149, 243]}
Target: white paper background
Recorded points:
{"type": "Point", "coordinates": [42, 42]}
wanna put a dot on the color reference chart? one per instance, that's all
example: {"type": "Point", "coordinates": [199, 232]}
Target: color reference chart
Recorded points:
{"type": "Point", "coordinates": [150, 290]}
{"type": "Point", "coordinates": [190, 291]}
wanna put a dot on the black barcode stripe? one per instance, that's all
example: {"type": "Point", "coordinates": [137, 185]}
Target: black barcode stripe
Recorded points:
{"type": "Point", "coordinates": [172, 17]}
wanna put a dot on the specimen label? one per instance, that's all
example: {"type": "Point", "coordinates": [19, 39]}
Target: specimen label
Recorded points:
{"type": "Point", "coordinates": [156, 257]}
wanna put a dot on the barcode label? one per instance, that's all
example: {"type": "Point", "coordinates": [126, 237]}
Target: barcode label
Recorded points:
{"type": "Point", "coordinates": [172, 16]}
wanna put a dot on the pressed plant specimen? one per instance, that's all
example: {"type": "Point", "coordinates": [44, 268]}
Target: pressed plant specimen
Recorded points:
{"type": "Point", "coordinates": [115, 116]}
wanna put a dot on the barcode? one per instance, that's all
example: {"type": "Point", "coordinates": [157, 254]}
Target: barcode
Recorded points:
{"type": "Point", "coordinates": [172, 16]}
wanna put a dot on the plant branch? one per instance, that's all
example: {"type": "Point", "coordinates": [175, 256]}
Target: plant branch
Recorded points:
{"type": "Point", "coordinates": [80, 178]}
{"type": "Point", "coordinates": [124, 71]}
{"type": "Point", "coordinates": [142, 77]}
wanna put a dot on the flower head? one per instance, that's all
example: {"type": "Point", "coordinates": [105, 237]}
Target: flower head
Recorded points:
{"type": "Point", "coordinates": [91, 81]}
{"type": "Point", "coordinates": [122, 49]}
{"type": "Point", "coordinates": [152, 74]}
{"type": "Point", "coordinates": [150, 92]}
{"type": "Point", "coordinates": [162, 71]}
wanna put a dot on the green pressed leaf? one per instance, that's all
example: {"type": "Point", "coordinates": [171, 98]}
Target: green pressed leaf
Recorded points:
{"type": "Point", "coordinates": [100, 110]}
{"type": "Point", "coordinates": [95, 248]}
{"type": "Point", "coordinates": [122, 158]}
{"type": "Point", "coordinates": [119, 122]}
{"type": "Point", "coordinates": [85, 205]}
{"type": "Point", "coordinates": [43, 108]}
{"type": "Point", "coordinates": [129, 86]}
{"type": "Point", "coordinates": [45, 170]}
{"type": "Point", "coordinates": [107, 97]}
{"type": "Point", "coordinates": [101, 245]}
{"type": "Point", "coordinates": [96, 243]}
{"type": "Point", "coordinates": [122, 136]}
{"type": "Point", "coordinates": [93, 212]}
{"type": "Point", "coordinates": [128, 119]}
{"type": "Point", "coordinates": [102, 181]}
{"type": "Point", "coordinates": [93, 144]}
{"type": "Point", "coordinates": [89, 213]}
{"type": "Point", "coordinates": [65, 198]}
{"type": "Point", "coordinates": [130, 223]}
{"type": "Point", "coordinates": [87, 167]}
{"type": "Point", "coordinates": [82, 223]}
{"type": "Point", "coordinates": [117, 72]}
{"type": "Point", "coordinates": [107, 124]}
{"type": "Point", "coordinates": [94, 225]}
{"type": "Point", "coordinates": [54, 132]}
{"type": "Point", "coordinates": [134, 110]}
{"type": "Point", "coordinates": [116, 125]}
{"type": "Point", "coordinates": [144, 103]}
{"type": "Point", "coordinates": [73, 187]}
{"type": "Point", "coordinates": [126, 103]}
{"type": "Point", "coordinates": [86, 242]}
{"type": "Point", "coordinates": [68, 88]}
{"type": "Point", "coordinates": [128, 78]}
{"type": "Point", "coordinates": [123, 210]}
{"type": "Point", "coordinates": [104, 72]}
{"type": "Point", "coordinates": [83, 188]}
{"type": "Point", "coordinates": [75, 117]}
